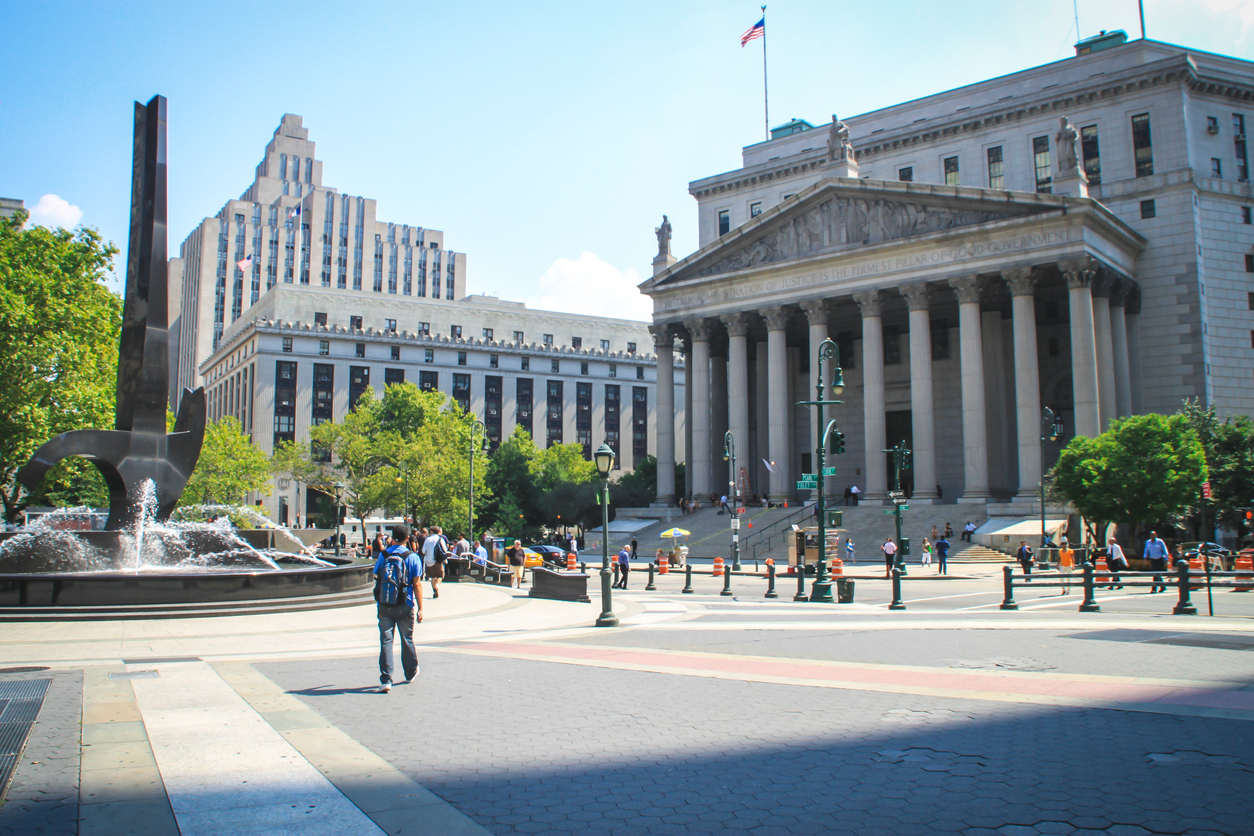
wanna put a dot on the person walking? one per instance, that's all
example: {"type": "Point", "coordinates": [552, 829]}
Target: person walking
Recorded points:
{"type": "Point", "coordinates": [849, 558]}
{"type": "Point", "coordinates": [624, 564]}
{"type": "Point", "coordinates": [518, 562]}
{"type": "Point", "coordinates": [1115, 562]}
{"type": "Point", "coordinates": [633, 548]}
{"type": "Point", "coordinates": [926, 560]}
{"type": "Point", "coordinates": [855, 492]}
{"type": "Point", "coordinates": [434, 553]}
{"type": "Point", "coordinates": [848, 496]}
{"type": "Point", "coordinates": [942, 556]}
{"type": "Point", "coordinates": [398, 590]}
{"type": "Point", "coordinates": [1156, 553]}
{"type": "Point", "coordinates": [377, 545]}
{"type": "Point", "coordinates": [1024, 556]}
{"type": "Point", "coordinates": [890, 552]}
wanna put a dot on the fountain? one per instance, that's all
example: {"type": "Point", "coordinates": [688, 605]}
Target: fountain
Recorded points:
{"type": "Point", "coordinates": [143, 563]}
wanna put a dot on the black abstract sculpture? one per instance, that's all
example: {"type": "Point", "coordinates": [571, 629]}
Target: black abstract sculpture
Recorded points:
{"type": "Point", "coordinates": [139, 448]}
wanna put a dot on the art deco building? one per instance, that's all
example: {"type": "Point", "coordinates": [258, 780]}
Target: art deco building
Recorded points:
{"type": "Point", "coordinates": [976, 259]}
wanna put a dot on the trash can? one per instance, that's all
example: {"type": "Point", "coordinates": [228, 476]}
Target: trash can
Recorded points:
{"type": "Point", "coordinates": [844, 591]}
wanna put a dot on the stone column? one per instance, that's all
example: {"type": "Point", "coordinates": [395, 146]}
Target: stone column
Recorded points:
{"type": "Point", "coordinates": [1079, 274]}
{"type": "Point", "coordinates": [1027, 378]}
{"type": "Point", "coordinates": [718, 423]}
{"type": "Point", "coordinates": [777, 400]}
{"type": "Point", "coordinates": [686, 347]}
{"type": "Point", "coordinates": [922, 417]}
{"type": "Point", "coordinates": [1132, 316]}
{"type": "Point", "coordinates": [1105, 350]}
{"type": "Point", "coordinates": [738, 387]}
{"type": "Point", "coordinates": [761, 436]}
{"type": "Point", "coordinates": [699, 380]}
{"type": "Point", "coordinates": [816, 315]}
{"type": "Point", "coordinates": [974, 425]}
{"type": "Point", "coordinates": [875, 486]}
{"type": "Point", "coordinates": [664, 350]}
{"type": "Point", "coordinates": [1119, 344]}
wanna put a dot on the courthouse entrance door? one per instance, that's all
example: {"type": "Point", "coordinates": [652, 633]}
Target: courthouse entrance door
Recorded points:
{"type": "Point", "coordinates": [899, 429]}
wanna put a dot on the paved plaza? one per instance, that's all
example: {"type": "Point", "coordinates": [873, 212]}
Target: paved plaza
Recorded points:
{"type": "Point", "coordinates": [702, 713]}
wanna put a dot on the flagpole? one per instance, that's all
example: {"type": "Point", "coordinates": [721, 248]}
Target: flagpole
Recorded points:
{"type": "Point", "coordinates": [766, 105]}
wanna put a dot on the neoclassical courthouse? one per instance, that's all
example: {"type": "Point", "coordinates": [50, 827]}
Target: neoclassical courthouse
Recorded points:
{"type": "Point", "coordinates": [1075, 236]}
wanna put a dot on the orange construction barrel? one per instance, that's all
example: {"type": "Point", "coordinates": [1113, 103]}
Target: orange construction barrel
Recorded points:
{"type": "Point", "coordinates": [718, 567]}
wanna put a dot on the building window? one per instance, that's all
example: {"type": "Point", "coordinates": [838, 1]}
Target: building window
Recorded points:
{"type": "Point", "coordinates": [1249, 264]}
{"type": "Point", "coordinates": [461, 391]}
{"type": "Point", "coordinates": [354, 322]}
{"type": "Point", "coordinates": [455, 331]}
{"type": "Point", "coordinates": [555, 366]}
{"type": "Point", "coordinates": [428, 381]}
{"type": "Point", "coordinates": [396, 352]}
{"type": "Point", "coordinates": [548, 339]}
{"type": "Point", "coordinates": [428, 355]}
{"type": "Point", "coordinates": [996, 169]}
{"type": "Point", "coordinates": [487, 333]}
{"type": "Point", "coordinates": [389, 324]}
{"type": "Point", "coordinates": [526, 364]}
{"type": "Point", "coordinates": [1142, 145]}
{"type": "Point", "coordinates": [494, 361]}
{"type": "Point", "coordinates": [940, 339]}
{"type": "Point", "coordinates": [1238, 143]}
{"type": "Point", "coordinates": [639, 372]}
{"type": "Point", "coordinates": [583, 368]}
{"type": "Point", "coordinates": [631, 348]}
{"type": "Point", "coordinates": [576, 342]}
{"type": "Point", "coordinates": [1216, 168]}
{"type": "Point", "coordinates": [755, 209]}
{"type": "Point", "coordinates": [892, 345]}
{"type": "Point", "coordinates": [424, 329]}
{"type": "Point", "coordinates": [1250, 300]}
{"type": "Point", "coordinates": [844, 343]}
{"type": "Point", "coordinates": [906, 174]}
{"type": "Point", "coordinates": [1091, 152]}
{"type": "Point", "coordinates": [1040, 156]}
{"type": "Point", "coordinates": [393, 377]}
{"type": "Point", "coordinates": [951, 171]}
{"type": "Point", "coordinates": [461, 358]}
{"type": "Point", "coordinates": [518, 336]}
{"type": "Point", "coordinates": [324, 347]}
{"type": "Point", "coordinates": [605, 345]}
{"type": "Point", "coordinates": [361, 349]}
{"type": "Point", "coordinates": [613, 370]}
{"type": "Point", "coordinates": [287, 345]}
{"type": "Point", "coordinates": [320, 319]}
{"type": "Point", "coordinates": [1246, 215]}
{"type": "Point", "coordinates": [724, 221]}
{"type": "Point", "coordinates": [1148, 210]}
{"type": "Point", "coordinates": [1212, 125]}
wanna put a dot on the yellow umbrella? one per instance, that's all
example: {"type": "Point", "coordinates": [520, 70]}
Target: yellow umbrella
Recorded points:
{"type": "Point", "coordinates": [674, 532]}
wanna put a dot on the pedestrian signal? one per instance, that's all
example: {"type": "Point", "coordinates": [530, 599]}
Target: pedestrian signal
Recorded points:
{"type": "Point", "coordinates": [839, 446]}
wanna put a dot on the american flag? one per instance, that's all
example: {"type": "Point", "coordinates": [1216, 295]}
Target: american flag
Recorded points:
{"type": "Point", "coordinates": [758, 30]}
{"type": "Point", "coordinates": [245, 264]}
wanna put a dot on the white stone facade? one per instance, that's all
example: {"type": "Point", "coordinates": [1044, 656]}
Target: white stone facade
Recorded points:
{"type": "Point", "coordinates": [1126, 290]}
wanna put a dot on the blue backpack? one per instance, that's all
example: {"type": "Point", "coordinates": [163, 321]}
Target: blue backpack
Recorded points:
{"type": "Point", "coordinates": [394, 580]}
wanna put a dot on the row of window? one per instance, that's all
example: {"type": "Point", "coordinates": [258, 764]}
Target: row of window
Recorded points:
{"type": "Point", "coordinates": [455, 332]}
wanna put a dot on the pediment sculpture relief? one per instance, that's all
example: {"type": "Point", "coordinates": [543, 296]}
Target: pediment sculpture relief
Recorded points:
{"type": "Point", "coordinates": [844, 221]}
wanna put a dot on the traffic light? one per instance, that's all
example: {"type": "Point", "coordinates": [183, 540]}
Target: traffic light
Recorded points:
{"type": "Point", "coordinates": [838, 446]}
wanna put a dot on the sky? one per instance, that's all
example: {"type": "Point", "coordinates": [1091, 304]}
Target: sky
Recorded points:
{"type": "Point", "coordinates": [544, 139]}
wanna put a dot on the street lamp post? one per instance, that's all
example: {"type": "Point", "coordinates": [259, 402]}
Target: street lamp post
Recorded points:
{"type": "Point", "coordinates": [338, 487]}
{"type": "Point", "coordinates": [483, 431]}
{"type": "Point", "coordinates": [901, 461]}
{"type": "Point", "coordinates": [821, 589]}
{"type": "Point", "coordinates": [729, 454]}
{"type": "Point", "coordinates": [604, 458]}
{"type": "Point", "coordinates": [1051, 430]}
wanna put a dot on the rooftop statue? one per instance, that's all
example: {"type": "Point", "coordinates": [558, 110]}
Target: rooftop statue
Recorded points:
{"type": "Point", "coordinates": [838, 145]}
{"type": "Point", "coordinates": [663, 233]}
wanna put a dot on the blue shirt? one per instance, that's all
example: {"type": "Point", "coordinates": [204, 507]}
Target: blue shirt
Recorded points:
{"type": "Point", "coordinates": [1155, 548]}
{"type": "Point", "coordinates": [481, 554]}
{"type": "Point", "coordinates": [942, 547]}
{"type": "Point", "coordinates": [413, 570]}
{"type": "Point", "coordinates": [624, 556]}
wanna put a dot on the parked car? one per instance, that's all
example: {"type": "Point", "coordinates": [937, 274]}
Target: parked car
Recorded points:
{"type": "Point", "coordinates": [551, 554]}
{"type": "Point", "coordinates": [1216, 555]}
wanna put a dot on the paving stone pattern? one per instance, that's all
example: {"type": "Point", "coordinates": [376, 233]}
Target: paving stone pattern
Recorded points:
{"type": "Point", "coordinates": [537, 747]}
{"type": "Point", "coordinates": [43, 798]}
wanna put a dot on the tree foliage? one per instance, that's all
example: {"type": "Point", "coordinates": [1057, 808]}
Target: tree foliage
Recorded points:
{"type": "Point", "coordinates": [1229, 450]}
{"type": "Point", "coordinates": [230, 466]}
{"type": "Point", "coordinates": [534, 489]}
{"type": "Point", "coordinates": [59, 328]}
{"type": "Point", "coordinates": [1144, 469]}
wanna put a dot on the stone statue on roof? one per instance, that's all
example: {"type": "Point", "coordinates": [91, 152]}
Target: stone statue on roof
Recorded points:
{"type": "Point", "coordinates": [838, 145]}
{"type": "Point", "coordinates": [663, 233]}
{"type": "Point", "coordinates": [1066, 139]}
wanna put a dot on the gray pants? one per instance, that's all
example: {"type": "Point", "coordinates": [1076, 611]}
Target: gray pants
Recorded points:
{"type": "Point", "coordinates": [391, 617]}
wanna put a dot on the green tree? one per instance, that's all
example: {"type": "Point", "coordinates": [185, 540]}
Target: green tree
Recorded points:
{"type": "Point", "coordinates": [560, 463]}
{"type": "Point", "coordinates": [230, 465]}
{"type": "Point", "coordinates": [59, 328]}
{"type": "Point", "coordinates": [1229, 448]}
{"type": "Point", "coordinates": [1145, 468]}
{"type": "Point", "coordinates": [515, 506]}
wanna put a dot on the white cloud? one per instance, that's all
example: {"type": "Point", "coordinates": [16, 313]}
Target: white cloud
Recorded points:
{"type": "Point", "coordinates": [591, 286]}
{"type": "Point", "coordinates": [52, 212]}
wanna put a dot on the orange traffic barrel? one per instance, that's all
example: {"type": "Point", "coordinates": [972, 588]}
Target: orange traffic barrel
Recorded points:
{"type": "Point", "coordinates": [838, 566]}
{"type": "Point", "coordinates": [572, 562]}
{"type": "Point", "coordinates": [718, 567]}
{"type": "Point", "coordinates": [664, 564]}
{"type": "Point", "coordinates": [1245, 566]}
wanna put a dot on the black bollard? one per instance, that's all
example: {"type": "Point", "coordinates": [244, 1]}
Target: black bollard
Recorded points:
{"type": "Point", "coordinates": [896, 603]}
{"type": "Point", "coordinates": [1008, 599]}
{"type": "Point", "coordinates": [1185, 606]}
{"type": "Point", "coordinates": [614, 566]}
{"type": "Point", "coordinates": [1089, 604]}
{"type": "Point", "coordinates": [650, 587]}
{"type": "Point", "coordinates": [770, 582]}
{"type": "Point", "coordinates": [726, 582]}
{"type": "Point", "coordinates": [687, 579]}
{"type": "Point", "coordinates": [583, 568]}
{"type": "Point", "coordinates": [801, 582]}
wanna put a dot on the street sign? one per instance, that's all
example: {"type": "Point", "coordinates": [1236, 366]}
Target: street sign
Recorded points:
{"type": "Point", "coordinates": [1206, 490]}
{"type": "Point", "coordinates": [896, 493]}
{"type": "Point", "coordinates": [829, 471]}
{"type": "Point", "coordinates": [735, 523]}
{"type": "Point", "coordinates": [808, 485]}
{"type": "Point", "coordinates": [899, 500]}
{"type": "Point", "coordinates": [809, 477]}
{"type": "Point", "coordinates": [904, 507]}
{"type": "Point", "coordinates": [888, 512]}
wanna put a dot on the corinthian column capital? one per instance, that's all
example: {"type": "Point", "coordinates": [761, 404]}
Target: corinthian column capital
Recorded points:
{"type": "Point", "coordinates": [1021, 280]}
{"type": "Point", "coordinates": [737, 324]}
{"type": "Point", "coordinates": [869, 303]}
{"type": "Point", "coordinates": [776, 317]}
{"type": "Point", "coordinates": [815, 311]}
{"type": "Point", "coordinates": [663, 335]}
{"type": "Point", "coordinates": [698, 329]}
{"type": "Point", "coordinates": [918, 296]}
{"type": "Point", "coordinates": [1078, 271]}
{"type": "Point", "coordinates": [967, 288]}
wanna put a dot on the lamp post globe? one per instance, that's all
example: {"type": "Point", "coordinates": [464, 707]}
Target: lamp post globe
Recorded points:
{"type": "Point", "coordinates": [604, 460]}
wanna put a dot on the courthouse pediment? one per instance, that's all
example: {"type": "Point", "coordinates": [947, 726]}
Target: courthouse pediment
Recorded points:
{"type": "Point", "coordinates": [841, 215]}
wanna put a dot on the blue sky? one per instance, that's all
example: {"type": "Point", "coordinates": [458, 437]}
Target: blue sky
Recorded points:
{"type": "Point", "coordinates": [546, 139]}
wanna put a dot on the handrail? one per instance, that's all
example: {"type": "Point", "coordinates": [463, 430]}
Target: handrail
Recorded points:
{"type": "Point", "coordinates": [772, 530]}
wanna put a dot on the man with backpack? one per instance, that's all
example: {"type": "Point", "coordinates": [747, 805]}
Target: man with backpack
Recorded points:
{"type": "Point", "coordinates": [434, 553]}
{"type": "Point", "coordinates": [398, 589]}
